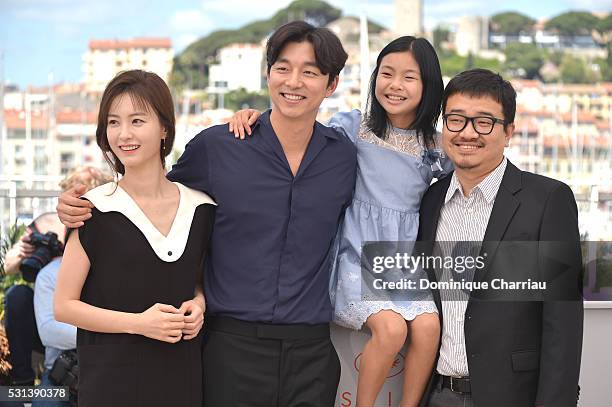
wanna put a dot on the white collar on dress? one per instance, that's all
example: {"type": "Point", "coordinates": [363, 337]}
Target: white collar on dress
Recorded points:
{"type": "Point", "coordinates": [111, 197]}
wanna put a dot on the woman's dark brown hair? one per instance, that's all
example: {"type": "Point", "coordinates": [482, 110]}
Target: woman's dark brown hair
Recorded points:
{"type": "Point", "coordinates": [147, 91]}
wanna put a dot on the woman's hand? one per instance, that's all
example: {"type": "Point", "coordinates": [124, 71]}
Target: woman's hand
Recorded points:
{"type": "Point", "coordinates": [241, 121]}
{"type": "Point", "coordinates": [162, 322]}
{"type": "Point", "coordinates": [194, 317]}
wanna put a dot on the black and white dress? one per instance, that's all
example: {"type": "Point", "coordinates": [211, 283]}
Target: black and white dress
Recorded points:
{"type": "Point", "coordinates": [134, 266]}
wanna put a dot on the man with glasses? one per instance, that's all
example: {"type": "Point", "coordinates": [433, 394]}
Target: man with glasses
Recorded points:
{"type": "Point", "coordinates": [500, 353]}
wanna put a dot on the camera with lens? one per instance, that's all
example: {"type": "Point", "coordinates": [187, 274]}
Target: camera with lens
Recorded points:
{"type": "Point", "coordinates": [47, 247]}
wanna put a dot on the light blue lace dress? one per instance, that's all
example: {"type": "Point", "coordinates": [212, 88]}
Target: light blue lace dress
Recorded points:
{"type": "Point", "coordinates": [392, 176]}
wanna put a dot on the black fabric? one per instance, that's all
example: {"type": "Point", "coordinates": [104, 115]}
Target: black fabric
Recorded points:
{"type": "Point", "coordinates": [126, 275]}
{"type": "Point", "coordinates": [247, 370]}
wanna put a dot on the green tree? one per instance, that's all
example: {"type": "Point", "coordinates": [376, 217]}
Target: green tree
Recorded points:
{"type": "Point", "coordinates": [14, 234]}
{"type": "Point", "coordinates": [573, 23]}
{"type": "Point", "coordinates": [604, 30]}
{"type": "Point", "coordinates": [604, 25]}
{"type": "Point", "coordinates": [440, 35]}
{"type": "Point", "coordinates": [605, 65]}
{"type": "Point", "coordinates": [451, 63]}
{"type": "Point", "coordinates": [242, 99]}
{"type": "Point", "coordinates": [511, 23]}
{"type": "Point", "coordinates": [190, 68]}
{"type": "Point", "coordinates": [526, 58]}
{"type": "Point", "coordinates": [574, 70]}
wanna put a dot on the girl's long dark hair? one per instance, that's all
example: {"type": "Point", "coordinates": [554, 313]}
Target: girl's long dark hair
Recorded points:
{"type": "Point", "coordinates": [428, 111]}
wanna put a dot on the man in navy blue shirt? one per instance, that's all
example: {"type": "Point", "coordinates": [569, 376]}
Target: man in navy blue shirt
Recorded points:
{"type": "Point", "coordinates": [281, 195]}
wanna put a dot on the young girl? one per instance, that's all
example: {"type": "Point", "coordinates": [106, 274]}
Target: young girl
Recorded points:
{"type": "Point", "coordinates": [398, 156]}
{"type": "Point", "coordinates": [129, 279]}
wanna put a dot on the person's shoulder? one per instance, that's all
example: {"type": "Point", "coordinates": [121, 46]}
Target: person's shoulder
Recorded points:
{"type": "Point", "coordinates": [101, 193]}
{"type": "Point", "coordinates": [541, 183]}
{"type": "Point", "coordinates": [212, 134]}
{"type": "Point", "coordinates": [194, 197]}
{"type": "Point", "coordinates": [336, 135]}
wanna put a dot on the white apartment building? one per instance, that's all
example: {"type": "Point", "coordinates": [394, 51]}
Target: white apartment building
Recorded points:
{"type": "Point", "coordinates": [472, 35]}
{"type": "Point", "coordinates": [105, 58]}
{"type": "Point", "coordinates": [240, 66]}
{"type": "Point", "coordinates": [408, 17]}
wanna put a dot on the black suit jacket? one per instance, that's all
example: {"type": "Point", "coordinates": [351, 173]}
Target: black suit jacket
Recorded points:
{"type": "Point", "coordinates": [520, 353]}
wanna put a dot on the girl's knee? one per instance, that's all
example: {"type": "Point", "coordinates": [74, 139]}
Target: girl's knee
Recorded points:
{"type": "Point", "coordinates": [425, 325]}
{"type": "Point", "coordinates": [389, 330]}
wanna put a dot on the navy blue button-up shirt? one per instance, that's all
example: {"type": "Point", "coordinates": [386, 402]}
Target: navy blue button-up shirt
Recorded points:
{"type": "Point", "coordinates": [269, 257]}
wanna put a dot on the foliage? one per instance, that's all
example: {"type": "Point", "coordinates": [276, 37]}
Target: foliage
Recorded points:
{"type": "Point", "coordinates": [5, 366]}
{"type": "Point", "coordinates": [605, 65]}
{"type": "Point", "coordinates": [242, 99]}
{"type": "Point", "coordinates": [524, 58]}
{"type": "Point", "coordinates": [451, 63]}
{"type": "Point", "coordinates": [440, 35]}
{"type": "Point", "coordinates": [190, 68]}
{"type": "Point", "coordinates": [6, 242]}
{"type": "Point", "coordinates": [14, 234]}
{"type": "Point", "coordinates": [604, 25]}
{"type": "Point", "coordinates": [573, 23]}
{"type": "Point", "coordinates": [574, 70]}
{"type": "Point", "coordinates": [511, 23]}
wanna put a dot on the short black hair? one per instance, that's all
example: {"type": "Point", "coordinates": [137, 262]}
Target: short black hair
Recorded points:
{"type": "Point", "coordinates": [482, 82]}
{"type": "Point", "coordinates": [329, 53]}
{"type": "Point", "coordinates": [428, 110]}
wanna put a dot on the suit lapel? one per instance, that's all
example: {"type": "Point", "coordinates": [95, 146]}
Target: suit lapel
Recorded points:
{"type": "Point", "coordinates": [429, 227]}
{"type": "Point", "coordinates": [504, 208]}
{"type": "Point", "coordinates": [432, 214]}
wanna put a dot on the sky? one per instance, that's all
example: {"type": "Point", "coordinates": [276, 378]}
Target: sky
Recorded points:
{"type": "Point", "coordinates": [44, 40]}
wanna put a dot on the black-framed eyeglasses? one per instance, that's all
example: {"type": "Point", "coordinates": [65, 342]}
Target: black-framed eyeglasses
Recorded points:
{"type": "Point", "coordinates": [483, 125]}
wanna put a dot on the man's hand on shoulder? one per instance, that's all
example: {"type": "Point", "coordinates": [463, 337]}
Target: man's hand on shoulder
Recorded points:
{"type": "Point", "coordinates": [71, 209]}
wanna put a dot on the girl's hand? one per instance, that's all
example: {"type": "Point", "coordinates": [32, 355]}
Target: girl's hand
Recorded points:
{"type": "Point", "coordinates": [162, 322]}
{"type": "Point", "coordinates": [241, 121]}
{"type": "Point", "coordinates": [194, 317]}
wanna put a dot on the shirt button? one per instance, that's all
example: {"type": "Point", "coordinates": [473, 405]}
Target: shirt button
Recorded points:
{"type": "Point", "coordinates": [169, 253]}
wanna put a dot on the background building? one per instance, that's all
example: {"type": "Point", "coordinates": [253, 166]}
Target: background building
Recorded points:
{"type": "Point", "coordinates": [472, 35]}
{"type": "Point", "coordinates": [240, 66]}
{"type": "Point", "coordinates": [408, 17]}
{"type": "Point", "coordinates": [105, 58]}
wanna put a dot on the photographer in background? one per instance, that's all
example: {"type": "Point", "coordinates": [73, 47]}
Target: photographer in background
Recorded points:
{"type": "Point", "coordinates": [33, 251]}
{"type": "Point", "coordinates": [19, 319]}
{"type": "Point", "coordinates": [57, 337]}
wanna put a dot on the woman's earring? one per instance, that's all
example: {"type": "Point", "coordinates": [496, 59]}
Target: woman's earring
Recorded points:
{"type": "Point", "coordinates": [163, 145]}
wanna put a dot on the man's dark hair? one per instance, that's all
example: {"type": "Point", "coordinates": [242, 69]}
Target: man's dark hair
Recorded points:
{"type": "Point", "coordinates": [482, 82]}
{"type": "Point", "coordinates": [329, 53]}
